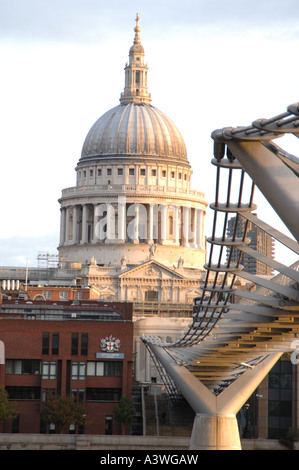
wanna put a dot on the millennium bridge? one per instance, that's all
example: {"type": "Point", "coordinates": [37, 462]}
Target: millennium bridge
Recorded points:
{"type": "Point", "coordinates": [236, 336]}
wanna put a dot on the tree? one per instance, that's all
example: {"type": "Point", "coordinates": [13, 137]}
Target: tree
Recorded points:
{"type": "Point", "coordinates": [125, 412]}
{"type": "Point", "coordinates": [7, 409]}
{"type": "Point", "coordinates": [62, 411]}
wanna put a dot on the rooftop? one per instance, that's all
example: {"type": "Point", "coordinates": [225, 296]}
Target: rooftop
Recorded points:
{"type": "Point", "coordinates": [87, 310]}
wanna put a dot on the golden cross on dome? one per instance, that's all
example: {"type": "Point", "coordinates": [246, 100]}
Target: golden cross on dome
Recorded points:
{"type": "Point", "coordinates": [137, 30]}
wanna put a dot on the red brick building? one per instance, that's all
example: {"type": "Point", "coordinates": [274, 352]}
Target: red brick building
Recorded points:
{"type": "Point", "coordinates": [61, 293]}
{"type": "Point", "coordinates": [79, 348]}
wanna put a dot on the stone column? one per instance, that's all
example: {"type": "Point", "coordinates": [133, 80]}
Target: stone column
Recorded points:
{"type": "Point", "coordinates": [62, 225]}
{"type": "Point", "coordinates": [110, 235]}
{"type": "Point", "coordinates": [136, 224]}
{"type": "Point", "coordinates": [195, 228]}
{"type": "Point", "coordinates": [122, 226]}
{"type": "Point", "coordinates": [75, 224]}
{"type": "Point", "coordinates": [201, 242]}
{"type": "Point", "coordinates": [84, 224]}
{"type": "Point", "coordinates": [164, 219]}
{"type": "Point", "coordinates": [150, 223]}
{"type": "Point", "coordinates": [186, 225]}
{"type": "Point", "coordinates": [95, 238]}
{"type": "Point", "coordinates": [176, 225]}
{"type": "Point", "coordinates": [67, 226]}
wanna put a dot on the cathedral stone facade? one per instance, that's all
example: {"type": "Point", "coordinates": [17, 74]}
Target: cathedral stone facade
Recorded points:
{"type": "Point", "coordinates": [132, 222]}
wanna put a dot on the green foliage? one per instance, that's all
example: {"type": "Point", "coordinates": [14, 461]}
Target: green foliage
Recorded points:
{"type": "Point", "coordinates": [125, 412]}
{"type": "Point", "coordinates": [290, 439]}
{"type": "Point", "coordinates": [62, 411]}
{"type": "Point", "coordinates": [7, 409]}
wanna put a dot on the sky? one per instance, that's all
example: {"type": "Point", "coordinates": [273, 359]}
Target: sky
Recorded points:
{"type": "Point", "coordinates": [212, 64]}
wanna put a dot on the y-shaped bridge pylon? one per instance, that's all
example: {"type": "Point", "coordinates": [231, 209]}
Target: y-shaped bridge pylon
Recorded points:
{"type": "Point", "coordinates": [215, 426]}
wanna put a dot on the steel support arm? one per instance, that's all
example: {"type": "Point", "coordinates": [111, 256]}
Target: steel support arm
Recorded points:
{"type": "Point", "coordinates": [201, 399]}
{"type": "Point", "coordinates": [276, 181]}
{"type": "Point", "coordinates": [197, 395]}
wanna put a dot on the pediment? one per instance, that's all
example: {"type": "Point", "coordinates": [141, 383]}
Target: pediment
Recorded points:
{"type": "Point", "coordinates": [193, 293]}
{"type": "Point", "coordinates": [152, 269]}
{"type": "Point", "coordinates": [106, 291]}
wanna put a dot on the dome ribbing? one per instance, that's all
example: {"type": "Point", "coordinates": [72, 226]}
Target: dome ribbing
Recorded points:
{"type": "Point", "coordinates": [134, 129]}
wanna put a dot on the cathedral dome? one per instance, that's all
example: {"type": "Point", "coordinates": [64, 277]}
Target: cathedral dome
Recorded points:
{"type": "Point", "coordinates": [135, 127]}
{"type": "Point", "coordinates": [134, 130]}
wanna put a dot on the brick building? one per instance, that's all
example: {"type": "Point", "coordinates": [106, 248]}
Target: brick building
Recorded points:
{"type": "Point", "coordinates": [78, 348]}
{"type": "Point", "coordinates": [55, 293]}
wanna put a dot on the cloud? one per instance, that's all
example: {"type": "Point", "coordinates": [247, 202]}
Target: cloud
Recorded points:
{"type": "Point", "coordinates": [93, 20]}
{"type": "Point", "coordinates": [16, 251]}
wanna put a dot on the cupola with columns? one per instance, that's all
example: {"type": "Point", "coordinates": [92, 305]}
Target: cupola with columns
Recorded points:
{"type": "Point", "coordinates": [133, 189]}
{"type": "Point", "coordinates": [136, 74]}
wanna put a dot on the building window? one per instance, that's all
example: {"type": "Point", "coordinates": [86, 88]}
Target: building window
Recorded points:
{"type": "Point", "coordinates": [103, 394]}
{"type": "Point", "coordinates": [13, 366]}
{"type": "Point", "coordinates": [151, 296]}
{"type": "Point", "coordinates": [63, 295]}
{"type": "Point", "coordinates": [172, 174]}
{"type": "Point", "coordinates": [75, 339]}
{"type": "Point", "coordinates": [47, 294]}
{"type": "Point", "coordinates": [45, 343]}
{"type": "Point", "coordinates": [120, 171]}
{"type": "Point", "coordinates": [15, 425]}
{"type": "Point", "coordinates": [154, 172]}
{"type": "Point", "coordinates": [90, 172]}
{"type": "Point", "coordinates": [23, 393]}
{"type": "Point", "coordinates": [46, 392]}
{"type": "Point", "coordinates": [113, 369]}
{"type": "Point", "coordinates": [55, 343]}
{"type": "Point", "coordinates": [109, 171]}
{"type": "Point", "coordinates": [104, 368]}
{"type": "Point", "coordinates": [95, 369]}
{"type": "Point", "coordinates": [142, 172]}
{"type": "Point", "coordinates": [84, 174]}
{"type": "Point", "coordinates": [108, 425]}
{"type": "Point", "coordinates": [180, 176]}
{"type": "Point", "coordinates": [164, 173]}
{"type": "Point", "coordinates": [78, 370]}
{"type": "Point", "coordinates": [84, 344]}
{"type": "Point", "coordinates": [280, 399]}
{"type": "Point", "coordinates": [23, 366]}
{"type": "Point", "coordinates": [131, 171]}
{"type": "Point", "coordinates": [49, 370]}
{"type": "Point", "coordinates": [31, 366]}
{"type": "Point", "coordinates": [78, 395]}
{"type": "Point", "coordinates": [99, 171]}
